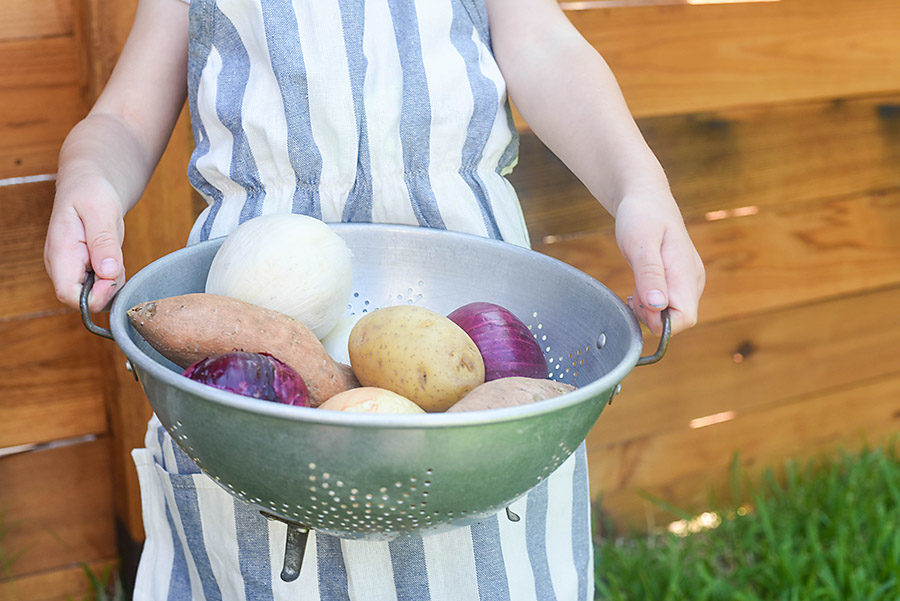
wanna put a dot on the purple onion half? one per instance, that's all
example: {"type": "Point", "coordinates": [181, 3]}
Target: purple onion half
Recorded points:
{"type": "Point", "coordinates": [506, 344]}
{"type": "Point", "coordinates": [257, 375]}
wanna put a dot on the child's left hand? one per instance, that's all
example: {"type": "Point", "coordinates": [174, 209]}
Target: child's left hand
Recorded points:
{"type": "Point", "coordinates": [570, 98]}
{"type": "Point", "coordinates": [667, 270]}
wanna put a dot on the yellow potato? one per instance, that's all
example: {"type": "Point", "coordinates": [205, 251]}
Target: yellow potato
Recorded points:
{"type": "Point", "coordinates": [417, 353]}
{"type": "Point", "coordinates": [368, 399]}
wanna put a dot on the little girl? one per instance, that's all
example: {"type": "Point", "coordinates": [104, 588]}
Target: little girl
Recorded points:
{"type": "Point", "coordinates": [390, 111]}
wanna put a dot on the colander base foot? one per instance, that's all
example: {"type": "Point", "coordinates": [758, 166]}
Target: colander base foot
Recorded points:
{"type": "Point", "coordinates": [294, 547]}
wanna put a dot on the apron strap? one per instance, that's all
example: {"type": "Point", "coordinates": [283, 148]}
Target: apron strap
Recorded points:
{"type": "Point", "coordinates": [478, 13]}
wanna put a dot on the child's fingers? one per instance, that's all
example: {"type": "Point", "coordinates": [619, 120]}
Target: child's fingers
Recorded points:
{"type": "Point", "coordinates": [65, 257]}
{"type": "Point", "coordinates": [686, 279]}
{"type": "Point", "coordinates": [683, 281]}
{"type": "Point", "coordinates": [104, 244]}
{"type": "Point", "coordinates": [72, 245]}
{"type": "Point", "coordinates": [651, 290]}
{"type": "Point", "coordinates": [102, 293]}
{"type": "Point", "coordinates": [651, 318]}
{"type": "Point", "coordinates": [679, 320]}
{"type": "Point", "coordinates": [650, 287]}
{"type": "Point", "coordinates": [683, 307]}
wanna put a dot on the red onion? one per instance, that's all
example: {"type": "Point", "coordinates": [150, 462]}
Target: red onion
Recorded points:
{"type": "Point", "coordinates": [506, 344]}
{"type": "Point", "coordinates": [257, 375]}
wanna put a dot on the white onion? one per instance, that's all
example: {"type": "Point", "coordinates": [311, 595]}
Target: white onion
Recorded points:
{"type": "Point", "coordinates": [294, 264]}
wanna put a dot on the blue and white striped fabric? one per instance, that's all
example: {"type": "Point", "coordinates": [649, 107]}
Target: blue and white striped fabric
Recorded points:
{"type": "Point", "coordinates": [377, 110]}
{"type": "Point", "coordinates": [372, 111]}
{"type": "Point", "coordinates": [204, 544]}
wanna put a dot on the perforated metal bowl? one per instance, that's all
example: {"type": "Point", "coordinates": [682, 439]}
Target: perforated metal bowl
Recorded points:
{"type": "Point", "coordinates": [379, 476]}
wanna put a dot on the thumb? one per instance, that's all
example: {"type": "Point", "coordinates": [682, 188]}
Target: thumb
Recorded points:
{"type": "Point", "coordinates": [651, 290]}
{"type": "Point", "coordinates": [104, 242]}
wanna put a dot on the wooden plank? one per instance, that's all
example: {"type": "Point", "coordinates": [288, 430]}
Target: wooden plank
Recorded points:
{"type": "Point", "coordinates": [39, 62]}
{"type": "Point", "coordinates": [688, 58]}
{"type": "Point", "coordinates": [53, 383]}
{"type": "Point", "coordinates": [106, 24]}
{"type": "Point", "coordinates": [33, 124]}
{"type": "Point", "coordinates": [58, 504]}
{"type": "Point", "coordinates": [25, 288]}
{"type": "Point", "coordinates": [758, 360]}
{"type": "Point", "coordinates": [129, 412]}
{"type": "Point", "coordinates": [63, 584]}
{"type": "Point", "coordinates": [781, 255]}
{"type": "Point", "coordinates": [685, 466]}
{"type": "Point", "coordinates": [728, 159]}
{"type": "Point", "coordinates": [24, 19]}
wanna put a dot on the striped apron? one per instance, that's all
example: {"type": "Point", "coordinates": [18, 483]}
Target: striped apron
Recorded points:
{"type": "Point", "coordinates": [388, 111]}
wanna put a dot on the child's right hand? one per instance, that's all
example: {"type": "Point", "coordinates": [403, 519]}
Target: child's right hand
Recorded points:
{"type": "Point", "coordinates": [109, 156]}
{"type": "Point", "coordinates": [86, 229]}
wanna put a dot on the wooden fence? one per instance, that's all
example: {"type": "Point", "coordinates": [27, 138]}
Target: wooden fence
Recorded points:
{"type": "Point", "coordinates": [779, 126]}
{"type": "Point", "coordinates": [69, 412]}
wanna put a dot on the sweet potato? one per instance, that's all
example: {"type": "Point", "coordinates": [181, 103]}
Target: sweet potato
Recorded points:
{"type": "Point", "coordinates": [189, 327]}
{"type": "Point", "coordinates": [510, 392]}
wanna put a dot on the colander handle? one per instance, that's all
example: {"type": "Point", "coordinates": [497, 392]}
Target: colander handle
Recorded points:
{"type": "Point", "coordinates": [85, 312]}
{"type": "Point", "coordinates": [663, 340]}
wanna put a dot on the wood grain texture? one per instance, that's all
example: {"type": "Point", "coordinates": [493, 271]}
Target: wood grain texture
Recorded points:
{"type": "Point", "coordinates": [43, 77]}
{"type": "Point", "coordinates": [25, 287]}
{"type": "Point", "coordinates": [758, 360]}
{"type": "Point", "coordinates": [58, 504]}
{"type": "Point", "coordinates": [129, 411]}
{"type": "Point", "coordinates": [34, 121]}
{"type": "Point", "coordinates": [724, 160]}
{"type": "Point", "coordinates": [54, 380]}
{"type": "Point", "coordinates": [105, 25]}
{"type": "Point", "coordinates": [62, 584]}
{"type": "Point", "coordinates": [23, 19]}
{"type": "Point", "coordinates": [677, 59]}
{"type": "Point", "coordinates": [39, 62]}
{"type": "Point", "coordinates": [685, 466]}
{"type": "Point", "coordinates": [785, 254]}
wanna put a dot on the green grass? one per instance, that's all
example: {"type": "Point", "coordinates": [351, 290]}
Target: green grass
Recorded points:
{"type": "Point", "coordinates": [825, 530]}
{"type": "Point", "coordinates": [106, 586]}
{"type": "Point", "coordinates": [6, 559]}
{"type": "Point", "coordinates": [103, 587]}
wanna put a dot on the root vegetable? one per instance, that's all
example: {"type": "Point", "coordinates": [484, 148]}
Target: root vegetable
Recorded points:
{"type": "Point", "coordinates": [190, 327]}
{"type": "Point", "coordinates": [510, 392]}
{"type": "Point", "coordinates": [505, 342]}
{"type": "Point", "coordinates": [293, 264]}
{"type": "Point", "coordinates": [417, 353]}
{"type": "Point", "coordinates": [370, 399]}
{"type": "Point", "coordinates": [256, 375]}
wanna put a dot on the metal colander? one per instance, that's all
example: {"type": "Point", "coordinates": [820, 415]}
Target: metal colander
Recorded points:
{"type": "Point", "coordinates": [377, 476]}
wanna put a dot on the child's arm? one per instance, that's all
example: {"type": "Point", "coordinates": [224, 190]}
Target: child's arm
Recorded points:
{"type": "Point", "coordinates": [107, 158]}
{"type": "Point", "coordinates": [569, 97]}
